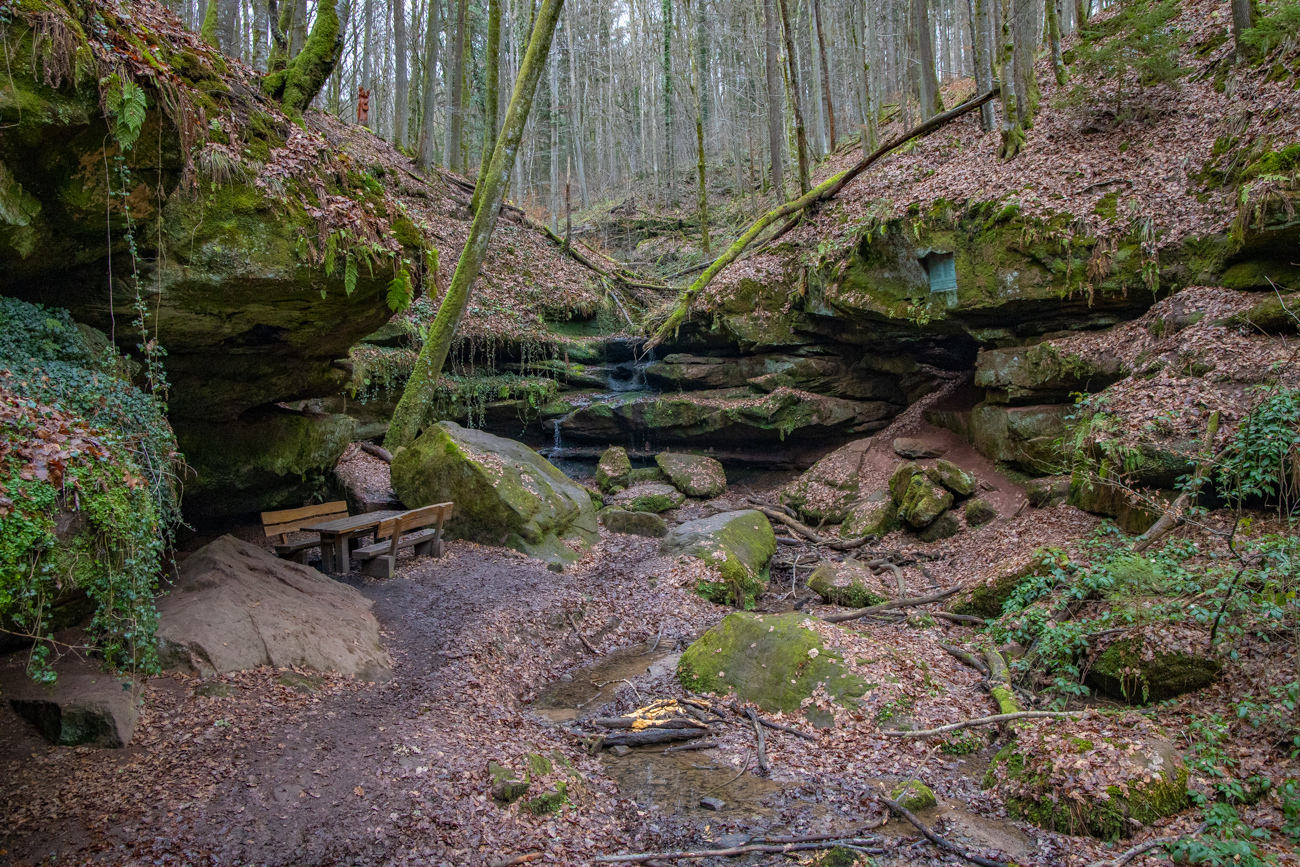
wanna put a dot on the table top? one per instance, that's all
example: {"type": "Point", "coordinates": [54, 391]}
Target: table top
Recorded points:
{"type": "Point", "coordinates": [352, 523]}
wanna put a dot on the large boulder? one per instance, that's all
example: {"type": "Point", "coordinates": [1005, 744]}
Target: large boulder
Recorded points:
{"type": "Point", "coordinates": [849, 583]}
{"type": "Point", "coordinates": [1074, 781]}
{"type": "Point", "coordinates": [1124, 671]}
{"type": "Point", "coordinates": [634, 523]}
{"type": "Point", "coordinates": [648, 497]}
{"type": "Point", "coordinates": [693, 475]}
{"type": "Point", "coordinates": [873, 515]}
{"type": "Point", "coordinates": [773, 660]}
{"type": "Point", "coordinates": [829, 488]}
{"type": "Point", "coordinates": [614, 469]}
{"type": "Point", "coordinates": [84, 705]}
{"type": "Point", "coordinates": [505, 493]}
{"type": "Point", "coordinates": [235, 606]}
{"type": "Point", "coordinates": [737, 546]}
{"type": "Point", "coordinates": [952, 477]}
{"type": "Point", "coordinates": [923, 502]}
{"type": "Point", "coordinates": [1028, 437]}
{"type": "Point", "coordinates": [986, 597]}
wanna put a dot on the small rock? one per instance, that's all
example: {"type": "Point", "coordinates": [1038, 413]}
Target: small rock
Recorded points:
{"type": "Point", "coordinates": [914, 796]}
{"type": "Point", "coordinates": [649, 497]}
{"type": "Point", "coordinates": [729, 841]}
{"type": "Point", "coordinates": [555, 567]}
{"type": "Point", "coordinates": [712, 803]}
{"type": "Point", "coordinates": [620, 750]}
{"type": "Point", "coordinates": [613, 469]}
{"type": "Point", "coordinates": [953, 477]}
{"type": "Point", "coordinates": [693, 475]}
{"type": "Point", "coordinates": [910, 447]}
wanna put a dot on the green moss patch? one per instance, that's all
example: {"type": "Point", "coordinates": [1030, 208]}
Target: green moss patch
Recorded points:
{"type": "Point", "coordinates": [849, 584]}
{"type": "Point", "coordinates": [1121, 671]}
{"type": "Point", "coordinates": [771, 660]}
{"type": "Point", "coordinates": [737, 546]}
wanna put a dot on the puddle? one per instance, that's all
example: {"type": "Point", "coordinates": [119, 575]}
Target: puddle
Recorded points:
{"type": "Point", "coordinates": [593, 686]}
{"type": "Point", "coordinates": [675, 782]}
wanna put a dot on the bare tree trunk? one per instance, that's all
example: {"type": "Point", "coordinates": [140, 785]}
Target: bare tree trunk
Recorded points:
{"type": "Point", "coordinates": [413, 407]}
{"type": "Point", "coordinates": [367, 59]}
{"type": "Point", "coordinates": [577, 140]}
{"type": "Point", "coordinates": [774, 97]}
{"type": "Point", "coordinates": [667, 7]}
{"type": "Point", "coordinates": [800, 135]}
{"type": "Point", "coordinates": [493, 63]}
{"type": "Point", "coordinates": [298, 32]}
{"type": "Point", "coordinates": [826, 75]}
{"type": "Point", "coordinates": [701, 113]}
{"type": "Point", "coordinates": [981, 37]}
{"type": "Point", "coordinates": [931, 100]}
{"type": "Point", "coordinates": [456, 88]}
{"type": "Point", "coordinates": [401, 94]}
{"type": "Point", "coordinates": [1243, 18]}
{"type": "Point", "coordinates": [554, 117]}
{"type": "Point", "coordinates": [261, 36]}
{"type": "Point", "coordinates": [429, 98]}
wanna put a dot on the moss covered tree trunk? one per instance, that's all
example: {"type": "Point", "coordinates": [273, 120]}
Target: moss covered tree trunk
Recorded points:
{"type": "Point", "coordinates": [297, 84]}
{"type": "Point", "coordinates": [700, 82]}
{"type": "Point", "coordinates": [413, 408]}
{"type": "Point", "coordinates": [429, 96]}
{"type": "Point", "coordinates": [1054, 39]}
{"type": "Point", "coordinates": [490, 106]}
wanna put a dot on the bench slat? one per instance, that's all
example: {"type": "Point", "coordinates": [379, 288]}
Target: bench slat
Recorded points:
{"type": "Point", "coordinates": [415, 518]}
{"type": "Point", "coordinates": [288, 520]}
{"type": "Point", "coordinates": [408, 541]}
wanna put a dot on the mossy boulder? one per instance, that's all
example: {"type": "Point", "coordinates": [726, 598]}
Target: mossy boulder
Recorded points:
{"type": "Point", "coordinates": [648, 497]}
{"type": "Point", "coordinates": [914, 796]}
{"type": "Point", "coordinates": [902, 479]}
{"type": "Point", "coordinates": [1042, 373]}
{"type": "Point", "coordinates": [1122, 671]}
{"type": "Point", "coordinates": [1076, 784]}
{"type": "Point", "coordinates": [634, 523]}
{"type": "Point", "coordinates": [1026, 437]}
{"type": "Point", "coordinates": [923, 502]}
{"type": "Point", "coordinates": [504, 492]}
{"type": "Point", "coordinates": [986, 598]}
{"type": "Point", "coordinates": [550, 802]}
{"type": "Point", "coordinates": [1131, 514]}
{"type": "Point", "coordinates": [979, 513]}
{"type": "Point", "coordinates": [875, 515]}
{"type": "Point", "coordinates": [772, 660]}
{"type": "Point", "coordinates": [954, 478]}
{"type": "Point", "coordinates": [693, 475]}
{"type": "Point", "coordinates": [1274, 315]}
{"type": "Point", "coordinates": [613, 470]}
{"type": "Point", "coordinates": [827, 491]}
{"type": "Point", "coordinates": [737, 545]}
{"type": "Point", "coordinates": [850, 584]}
{"type": "Point", "coordinates": [646, 474]}
{"type": "Point", "coordinates": [1047, 491]}
{"type": "Point", "coordinates": [943, 527]}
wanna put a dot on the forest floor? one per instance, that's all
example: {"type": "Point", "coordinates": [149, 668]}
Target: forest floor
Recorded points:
{"type": "Point", "coordinates": [279, 767]}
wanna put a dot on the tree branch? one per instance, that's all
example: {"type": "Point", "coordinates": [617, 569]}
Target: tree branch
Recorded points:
{"type": "Point", "coordinates": [983, 721]}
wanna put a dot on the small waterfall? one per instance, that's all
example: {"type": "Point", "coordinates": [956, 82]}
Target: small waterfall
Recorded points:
{"type": "Point", "coordinates": [635, 371]}
{"type": "Point", "coordinates": [557, 445]}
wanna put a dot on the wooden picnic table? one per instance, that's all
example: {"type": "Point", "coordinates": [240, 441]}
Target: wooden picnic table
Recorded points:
{"type": "Point", "coordinates": [336, 534]}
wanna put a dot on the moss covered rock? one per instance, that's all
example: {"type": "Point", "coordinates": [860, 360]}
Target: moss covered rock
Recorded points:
{"type": "Point", "coordinates": [1080, 784]}
{"type": "Point", "coordinates": [902, 479]}
{"type": "Point", "coordinates": [635, 523]}
{"type": "Point", "coordinates": [954, 478]}
{"type": "Point", "coordinates": [646, 474]}
{"type": "Point", "coordinates": [504, 492]}
{"type": "Point", "coordinates": [943, 527]}
{"type": "Point", "coordinates": [1131, 514]}
{"type": "Point", "coordinates": [648, 497]}
{"type": "Point", "coordinates": [923, 502]}
{"type": "Point", "coordinates": [737, 545]}
{"type": "Point", "coordinates": [693, 475]}
{"type": "Point", "coordinates": [875, 515]}
{"type": "Point", "coordinates": [828, 489]}
{"type": "Point", "coordinates": [1122, 671]}
{"type": "Point", "coordinates": [1048, 491]}
{"type": "Point", "coordinates": [771, 660]}
{"type": "Point", "coordinates": [613, 470]}
{"type": "Point", "coordinates": [1042, 373]}
{"type": "Point", "coordinates": [914, 796]}
{"type": "Point", "coordinates": [979, 512]}
{"type": "Point", "coordinates": [849, 584]}
{"type": "Point", "coordinates": [986, 598]}
{"type": "Point", "coordinates": [1274, 315]}
{"type": "Point", "coordinates": [1026, 437]}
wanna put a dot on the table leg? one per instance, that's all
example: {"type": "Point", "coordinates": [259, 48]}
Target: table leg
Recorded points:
{"type": "Point", "coordinates": [326, 554]}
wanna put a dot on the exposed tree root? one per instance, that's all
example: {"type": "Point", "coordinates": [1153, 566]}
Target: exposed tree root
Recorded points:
{"type": "Point", "coordinates": [941, 842]}
{"type": "Point", "coordinates": [888, 606]}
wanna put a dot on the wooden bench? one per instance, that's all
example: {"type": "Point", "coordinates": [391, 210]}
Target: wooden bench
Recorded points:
{"type": "Point", "coordinates": [420, 529]}
{"type": "Point", "coordinates": [288, 521]}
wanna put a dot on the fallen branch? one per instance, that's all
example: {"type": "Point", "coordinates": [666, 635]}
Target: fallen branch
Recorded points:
{"type": "Point", "coordinates": [965, 656]}
{"type": "Point", "coordinates": [1000, 683]}
{"type": "Point", "coordinates": [378, 451]}
{"type": "Point", "coordinates": [983, 721]}
{"type": "Point", "coordinates": [898, 576]}
{"type": "Point", "coordinates": [777, 848]}
{"type": "Point", "coordinates": [649, 737]}
{"type": "Point", "coordinates": [695, 745]}
{"type": "Point", "coordinates": [888, 606]}
{"type": "Point", "coordinates": [581, 637]}
{"type": "Point", "coordinates": [826, 190]}
{"type": "Point", "coordinates": [961, 618]}
{"type": "Point", "coordinates": [1175, 514]}
{"type": "Point", "coordinates": [939, 841]}
{"type": "Point", "coordinates": [777, 726]}
{"type": "Point", "coordinates": [758, 736]}
{"type": "Point", "coordinates": [794, 525]}
{"type": "Point", "coordinates": [518, 859]}
{"type": "Point", "coordinates": [1125, 857]}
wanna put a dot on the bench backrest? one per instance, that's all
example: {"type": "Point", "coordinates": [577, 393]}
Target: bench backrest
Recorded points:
{"type": "Point", "coordinates": [413, 520]}
{"type": "Point", "coordinates": [288, 520]}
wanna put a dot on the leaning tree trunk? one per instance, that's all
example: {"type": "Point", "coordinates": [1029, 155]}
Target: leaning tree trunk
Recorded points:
{"type": "Point", "coordinates": [417, 396]}
{"type": "Point", "coordinates": [299, 82]}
